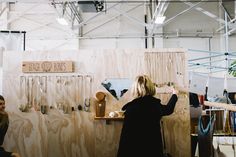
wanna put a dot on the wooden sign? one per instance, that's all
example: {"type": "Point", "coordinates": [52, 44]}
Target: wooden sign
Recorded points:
{"type": "Point", "coordinates": [47, 66]}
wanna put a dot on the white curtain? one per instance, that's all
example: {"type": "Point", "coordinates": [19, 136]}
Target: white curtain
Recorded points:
{"type": "Point", "coordinates": [198, 83]}
{"type": "Point", "coordinates": [9, 42]}
{"type": "Point", "coordinates": [216, 85]}
{"type": "Point", "coordinates": [12, 41]}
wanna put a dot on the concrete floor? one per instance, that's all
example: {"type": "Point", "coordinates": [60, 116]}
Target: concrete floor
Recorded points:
{"type": "Point", "coordinates": [223, 147]}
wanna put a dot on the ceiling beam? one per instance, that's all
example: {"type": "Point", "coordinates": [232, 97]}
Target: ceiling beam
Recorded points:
{"type": "Point", "coordinates": [41, 25]}
{"type": "Point", "coordinates": [160, 9]}
{"type": "Point", "coordinates": [111, 19]}
{"type": "Point", "coordinates": [4, 15]}
{"type": "Point", "coordinates": [4, 9]}
{"type": "Point", "coordinates": [34, 13]}
{"type": "Point", "coordinates": [155, 26]}
{"type": "Point", "coordinates": [131, 18]}
{"type": "Point", "coordinates": [27, 1]}
{"type": "Point", "coordinates": [205, 12]}
{"type": "Point", "coordinates": [19, 16]}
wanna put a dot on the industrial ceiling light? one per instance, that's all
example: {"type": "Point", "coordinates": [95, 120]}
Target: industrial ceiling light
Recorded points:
{"type": "Point", "coordinates": [62, 21]}
{"type": "Point", "coordinates": [160, 19]}
{"type": "Point", "coordinates": [61, 15]}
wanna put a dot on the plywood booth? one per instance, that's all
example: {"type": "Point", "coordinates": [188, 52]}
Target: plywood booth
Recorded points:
{"type": "Point", "coordinates": [51, 105]}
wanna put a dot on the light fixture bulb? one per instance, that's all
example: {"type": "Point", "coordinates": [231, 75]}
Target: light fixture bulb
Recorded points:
{"type": "Point", "coordinates": [62, 21]}
{"type": "Point", "coordinates": [160, 19]}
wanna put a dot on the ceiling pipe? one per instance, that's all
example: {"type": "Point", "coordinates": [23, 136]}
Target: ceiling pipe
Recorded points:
{"type": "Point", "coordinates": [205, 63]}
{"type": "Point", "coordinates": [203, 51]}
{"type": "Point", "coordinates": [200, 58]}
{"type": "Point", "coordinates": [200, 65]}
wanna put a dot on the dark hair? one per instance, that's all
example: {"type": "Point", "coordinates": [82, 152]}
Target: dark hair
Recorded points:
{"type": "Point", "coordinates": [4, 122]}
{"type": "Point", "coordinates": [2, 98]}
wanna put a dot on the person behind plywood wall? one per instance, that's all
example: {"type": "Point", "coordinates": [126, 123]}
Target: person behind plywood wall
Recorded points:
{"type": "Point", "coordinates": [4, 122]}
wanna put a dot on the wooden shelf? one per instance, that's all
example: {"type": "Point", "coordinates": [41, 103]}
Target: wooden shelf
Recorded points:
{"type": "Point", "coordinates": [108, 119]}
{"type": "Point", "coordinates": [218, 134]}
{"type": "Point", "coordinates": [229, 107]}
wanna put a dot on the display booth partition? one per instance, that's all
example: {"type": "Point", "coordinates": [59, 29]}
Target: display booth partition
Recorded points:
{"type": "Point", "coordinates": [52, 112]}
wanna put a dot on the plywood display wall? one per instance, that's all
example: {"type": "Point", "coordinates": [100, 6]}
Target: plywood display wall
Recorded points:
{"type": "Point", "coordinates": [76, 133]}
{"type": "Point", "coordinates": [167, 67]}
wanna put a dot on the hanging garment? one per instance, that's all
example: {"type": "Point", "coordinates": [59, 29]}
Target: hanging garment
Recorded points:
{"type": "Point", "coordinates": [222, 122]}
{"type": "Point", "coordinates": [193, 99]}
{"type": "Point", "coordinates": [233, 120]}
{"type": "Point", "coordinates": [205, 135]}
{"type": "Point", "coordinates": [232, 97]}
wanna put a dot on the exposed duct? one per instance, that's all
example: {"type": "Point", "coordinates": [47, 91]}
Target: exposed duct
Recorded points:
{"type": "Point", "coordinates": [92, 6]}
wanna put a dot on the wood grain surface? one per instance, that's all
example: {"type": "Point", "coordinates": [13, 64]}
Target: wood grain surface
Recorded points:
{"type": "Point", "coordinates": [76, 133]}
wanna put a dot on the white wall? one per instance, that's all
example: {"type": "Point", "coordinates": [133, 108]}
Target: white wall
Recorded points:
{"type": "Point", "coordinates": [109, 30]}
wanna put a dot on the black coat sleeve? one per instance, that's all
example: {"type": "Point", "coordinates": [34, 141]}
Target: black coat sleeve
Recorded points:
{"type": "Point", "coordinates": [169, 108]}
{"type": "Point", "coordinates": [4, 153]}
{"type": "Point", "coordinates": [124, 107]}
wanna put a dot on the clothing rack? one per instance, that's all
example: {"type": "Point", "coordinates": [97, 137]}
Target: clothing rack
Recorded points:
{"type": "Point", "coordinates": [229, 107]}
{"type": "Point", "coordinates": [198, 62]}
{"type": "Point", "coordinates": [20, 32]}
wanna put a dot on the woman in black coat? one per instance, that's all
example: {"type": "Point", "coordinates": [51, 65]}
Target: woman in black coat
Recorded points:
{"type": "Point", "coordinates": [141, 133]}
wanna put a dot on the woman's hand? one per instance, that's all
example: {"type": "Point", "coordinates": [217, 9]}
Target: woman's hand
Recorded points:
{"type": "Point", "coordinates": [15, 155]}
{"type": "Point", "coordinates": [174, 91]}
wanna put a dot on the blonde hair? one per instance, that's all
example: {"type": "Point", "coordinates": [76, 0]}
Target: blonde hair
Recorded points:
{"type": "Point", "coordinates": [143, 86]}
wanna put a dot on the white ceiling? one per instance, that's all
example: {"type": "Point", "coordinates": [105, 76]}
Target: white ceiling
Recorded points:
{"type": "Point", "coordinates": [35, 11]}
{"type": "Point", "coordinates": [120, 19]}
